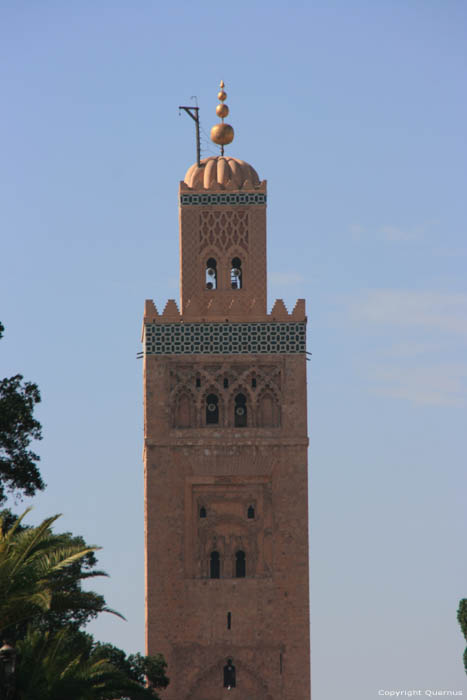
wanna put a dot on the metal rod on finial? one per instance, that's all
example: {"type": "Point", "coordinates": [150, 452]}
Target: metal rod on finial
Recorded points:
{"type": "Point", "coordinates": [194, 114]}
{"type": "Point", "coordinates": [222, 133]}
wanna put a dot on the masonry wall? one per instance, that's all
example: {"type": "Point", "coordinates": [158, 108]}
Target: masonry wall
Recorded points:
{"type": "Point", "coordinates": [228, 468]}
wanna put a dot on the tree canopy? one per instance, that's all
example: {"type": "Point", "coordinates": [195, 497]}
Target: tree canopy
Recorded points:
{"type": "Point", "coordinates": [43, 606]}
{"type": "Point", "coordinates": [19, 473]}
{"type": "Point", "coordinates": [462, 619]}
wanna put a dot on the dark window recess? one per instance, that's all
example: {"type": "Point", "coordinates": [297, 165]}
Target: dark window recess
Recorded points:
{"type": "Point", "coordinates": [202, 512]}
{"type": "Point", "coordinates": [251, 512]}
{"type": "Point", "coordinates": [198, 382]}
{"type": "Point", "coordinates": [236, 273]}
{"type": "Point", "coordinates": [240, 411]}
{"type": "Point", "coordinates": [229, 674]}
{"type": "Point", "coordinates": [211, 274]}
{"type": "Point", "coordinates": [280, 662]}
{"type": "Point", "coordinates": [240, 564]}
{"type": "Point", "coordinates": [229, 620]}
{"type": "Point", "coordinates": [253, 382]}
{"type": "Point", "coordinates": [212, 409]}
{"type": "Point", "coordinates": [226, 383]}
{"type": "Point", "coordinates": [215, 565]}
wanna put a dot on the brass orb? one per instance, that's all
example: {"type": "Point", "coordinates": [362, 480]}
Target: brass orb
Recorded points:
{"type": "Point", "coordinates": [222, 111]}
{"type": "Point", "coordinates": [222, 134]}
{"type": "Point", "coordinates": [222, 96]}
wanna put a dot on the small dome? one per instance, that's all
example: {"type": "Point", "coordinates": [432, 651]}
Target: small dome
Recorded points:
{"type": "Point", "coordinates": [221, 172]}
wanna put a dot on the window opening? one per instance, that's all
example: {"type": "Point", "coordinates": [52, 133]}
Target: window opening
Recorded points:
{"type": "Point", "coordinates": [198, 382]}
{"type": "Point", "coordinates": [226, 383]}
{"type": "Point", "coordinates": [229, 620]}
{"type": "Point", "coordinates": [202, 512]}
{"type": "Point", "coordinates": [236, 273]}
{"type": "Point", "coordinates": [251, 513]}
{"type": "Point", "coordinates": [215, 565]}
{"type": "Point", "coordinates": [280, 662]}
{"type": "Point", "coordinates": [212, 409]}
{"type": "Point", "coordinates": [211, 274]}
{"type": "Point", "coordinates": [240, 564]}
{"type": "Point", "coordinates": [240, 411]}
{"type": "Point", "coordinates": [253, 382]}
{"type": "Point", "coordinates": [229, 675]}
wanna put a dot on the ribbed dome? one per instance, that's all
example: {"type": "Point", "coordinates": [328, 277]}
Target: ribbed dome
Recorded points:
{"type": "Point", "coordinates": [220, 172]}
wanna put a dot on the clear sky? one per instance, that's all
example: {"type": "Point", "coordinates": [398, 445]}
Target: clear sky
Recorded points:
{"type": "Point", "coordinates": [355, 113]}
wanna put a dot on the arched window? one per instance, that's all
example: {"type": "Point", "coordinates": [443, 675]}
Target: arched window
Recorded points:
{"type": "Point", "coordinates": [215, 565]}
{"type": "Point", "coordinates": [236, 273]}
{"type": "Point", "coordinates": [183, 412]}
{"type": "Point", "coordinates": [211, 274]}
{"type": "Point", "coordinates": [240, 564]}
{"type": "Point", "coordinates": [229, 674]}
{"type": "Point", "coordinates": [202, 512]}
{"type": "Point", "coordinates": [268, 413]}
{"type": "Point", "coordinates": [240, 411]}
{"type": "Point", "coordinates": [251, 513]}
{"type": "Point", "coordinates": [212, 409]}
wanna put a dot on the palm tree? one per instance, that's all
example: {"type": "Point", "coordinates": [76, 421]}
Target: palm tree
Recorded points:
{"type": "Point", "coordinates": [55, 666]}
{"type": "Point", "coordinates": [29, 561]}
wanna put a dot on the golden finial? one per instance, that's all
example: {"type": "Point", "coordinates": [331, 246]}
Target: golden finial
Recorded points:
{"type": "Point", "coordinates": [222, 133]}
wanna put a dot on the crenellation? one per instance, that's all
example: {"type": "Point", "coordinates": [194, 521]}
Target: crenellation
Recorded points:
{"type": "Point", "coordinates": [220, 309]}
{"type": "Point", "coordinates": [171, 312]}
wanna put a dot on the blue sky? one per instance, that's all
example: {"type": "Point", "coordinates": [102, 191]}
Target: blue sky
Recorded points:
{"type": "Point", "coordinates": [355, 113]}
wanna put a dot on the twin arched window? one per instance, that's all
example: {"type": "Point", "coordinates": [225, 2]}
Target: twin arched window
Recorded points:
{"type": "Point", "coordinates": [236, 274]}
{"type": "Point", "coordinates": [215, 564]}
{"type": "Point", "coordinates": [240, 410]}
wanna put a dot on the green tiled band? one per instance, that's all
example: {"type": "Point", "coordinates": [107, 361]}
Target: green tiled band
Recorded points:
{"type": "Point", "coordinates": [223, 198]}
{"type": "Point", "coordinates": [286, 337]}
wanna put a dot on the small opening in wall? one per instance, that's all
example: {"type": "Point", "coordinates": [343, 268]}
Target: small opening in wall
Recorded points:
{"type": "Point", "coordinates": [229, 675]}
{"type": "Point", "coordinates": [280, 662]}
{"type": "Point", "coordinates": [251, 513]}
{"type": "Point", "coordinates": [211, 274]}
{"type": "Point", "coordinates": [198, 382]}
{"type": "Point", "coordinates": [202, 512]}
{"type": "Point", "coordinates": [212, 409]}
{"type": "Point", "coordinates": [240, 411]}
{"type": "Point", "coordinates": [215, 565]}
{"type": "Point", "coordinates": [226, 383]}
{"type": "Point", "coordinates": [240, 564]}
{"type": "Point", "coordinates": [236, 273]}
{"type": "Point", "coordinates": [229, 620]}
{"type": "Point", "coordinates": [253, 383]}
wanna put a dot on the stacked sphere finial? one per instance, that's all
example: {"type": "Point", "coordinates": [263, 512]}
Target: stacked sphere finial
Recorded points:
{"type": "Point", "coordinates": [222, 134]}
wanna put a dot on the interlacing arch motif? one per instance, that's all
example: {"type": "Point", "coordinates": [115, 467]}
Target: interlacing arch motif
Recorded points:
{"type": "Point", "coordinates": [223, 229]}
{"type": "Point", "coordinates": [260, 387]}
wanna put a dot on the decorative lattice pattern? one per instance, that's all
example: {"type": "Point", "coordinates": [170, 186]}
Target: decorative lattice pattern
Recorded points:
{"type": "Point", "coordinates": [224, 198]}
{"type": "Point", "coordinates": [223, 229]}
{"type": "Point", "coordinates": [225, 338]}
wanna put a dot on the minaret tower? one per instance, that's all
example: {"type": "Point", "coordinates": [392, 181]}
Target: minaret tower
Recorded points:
{"type": "Point", "coordinates": [225, 454]}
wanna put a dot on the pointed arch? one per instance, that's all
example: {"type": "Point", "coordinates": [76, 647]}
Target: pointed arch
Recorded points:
{"type": "Point", "coordinates": [239, 398]}
{"type": "Point", "coordinates": [239, 256]}
{"type": "Point", "coordinates": [211, 407]}
{"type": "Point", "coordinates": [268, 414]}
{"type": "Point", "coordinates": [183, 416]}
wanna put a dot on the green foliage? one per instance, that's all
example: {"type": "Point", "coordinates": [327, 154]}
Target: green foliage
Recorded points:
{"type": "Point", "coordinates": [18, 471]}
{"type": "Point", "coordinates": [64, 665]}
{"type": "Point", "coordinates": [462, 619]}
{"type": "Point", "coordinates": [136, 666]}
{"type": "Point", "coordinates": [31, 559]}
{"type": "Point", "coordinates": [42, 604]}
{"type": "Point", "coordinates": [70, 604]}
